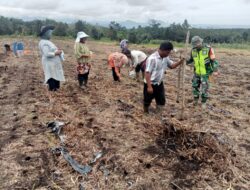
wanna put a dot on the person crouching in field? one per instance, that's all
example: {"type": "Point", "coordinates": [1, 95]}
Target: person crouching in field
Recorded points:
{"type": "Point", "coordinates": [138, 61]}
{"type": "Point", "coordinates": [116, 60]}
{"type": "Point", "coordinates": [51, 59]}
{"type": "Point", "coordinates": [83, 56]}
{"type": "Point", "coordinates": [156, 65]}
{"type": "Point", "coordinates": [205, 65]}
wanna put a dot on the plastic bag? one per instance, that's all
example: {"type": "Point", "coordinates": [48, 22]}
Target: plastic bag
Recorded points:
{"type": "Point", "coordinates": [132, 74]}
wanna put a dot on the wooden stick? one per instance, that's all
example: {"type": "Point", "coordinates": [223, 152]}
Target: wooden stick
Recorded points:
{"type": "Point", "coordinates": [176, 186]}
{"type": "Point", "coordinates": [183, 77]}
{"type": "Point", "coordinates": [178, 84]}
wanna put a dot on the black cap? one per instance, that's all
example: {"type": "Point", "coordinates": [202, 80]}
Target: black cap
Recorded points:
{"type": "Point", "coordinates": [44, 29]}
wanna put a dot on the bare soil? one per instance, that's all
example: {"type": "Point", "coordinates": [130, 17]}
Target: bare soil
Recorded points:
{"type": "Point", "coordinates": [155, 151]}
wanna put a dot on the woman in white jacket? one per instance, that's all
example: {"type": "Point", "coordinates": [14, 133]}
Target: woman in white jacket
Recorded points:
{"type": "Point", "coordinates": [51, 59]}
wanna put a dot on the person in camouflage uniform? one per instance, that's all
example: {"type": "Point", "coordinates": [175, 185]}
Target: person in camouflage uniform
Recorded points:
{"type": "Point", "coordinates": [205, 65]}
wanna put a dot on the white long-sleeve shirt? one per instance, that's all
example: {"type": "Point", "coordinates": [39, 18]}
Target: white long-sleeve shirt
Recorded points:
{"type": "Point", "coordinates": [137, 57]}
{"type": "Point", "coordinates": [52, 65]}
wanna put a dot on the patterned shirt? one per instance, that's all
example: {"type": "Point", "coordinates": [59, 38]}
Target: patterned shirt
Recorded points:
{"type": "Point", "coordinates": [80, 50]}
{"type": "Point", "coordinates": [117, 59]}
{"type": "Point", "coordinates": [156, 66]}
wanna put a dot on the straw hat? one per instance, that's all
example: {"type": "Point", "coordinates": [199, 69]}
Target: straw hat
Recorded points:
{"type": "Point", "coordinates": [81, 35]}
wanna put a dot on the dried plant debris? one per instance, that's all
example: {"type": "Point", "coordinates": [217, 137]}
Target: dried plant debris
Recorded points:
{"type": "Point", "coordinates": [194, 155]}
{"type": "Point", "coordinates": [123, 106]}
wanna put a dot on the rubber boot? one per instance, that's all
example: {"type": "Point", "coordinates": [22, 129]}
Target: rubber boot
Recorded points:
{"type": "Point", "coordinates": [159, 108]}
{"type": "Point", "coordinates": [80, 83]}
{"type": "Point", "coordinates": [138, 76]}
{"type": "Point", "coordinates": [196, 100]}
{"type": "Point", "coordinates": [204, 106]}
{"type": "Point", "coordinates": [85, 83]}
{"type": "Point", "coordinates": [204, 109]}
{"type": "Point", "coordinates": [145, 108]}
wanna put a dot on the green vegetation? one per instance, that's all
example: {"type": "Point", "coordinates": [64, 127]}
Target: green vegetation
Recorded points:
{"type": "Point", "coordinates": [245, 46]}
{"type": "Point", "coordinates": [234, 46]}
{"type": "Point", "coordinates": [151, 34]}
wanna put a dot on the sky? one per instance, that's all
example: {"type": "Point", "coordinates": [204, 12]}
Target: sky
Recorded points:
{"type": "Point", "coordinates": [209, 12]}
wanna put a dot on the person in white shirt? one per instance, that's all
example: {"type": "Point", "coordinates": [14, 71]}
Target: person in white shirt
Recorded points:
{"type": "Point", "coordinates": [138, 61]}
{"type": "Point", "coordinates": [156, 65]}
{"type": "Point", "coordinates": [51, 59]}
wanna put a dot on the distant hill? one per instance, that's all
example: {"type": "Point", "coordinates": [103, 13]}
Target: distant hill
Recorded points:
{"type": "Point", "coordinates": [133, 24]}
{"type": "Point", "coordinates": [207, 26]}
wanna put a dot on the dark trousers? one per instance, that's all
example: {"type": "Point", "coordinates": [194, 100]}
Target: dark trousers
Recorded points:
{"type": "Point", "coordinates": [115, 77]}
{"type": "Point", "coordinates": [158, 95]}
{"type": "Point", "coordinates": [141, 67]}
{"type": "Point", "coordinates": [83, 79]}
{"type": "Point", "coordinates": [54, 85]}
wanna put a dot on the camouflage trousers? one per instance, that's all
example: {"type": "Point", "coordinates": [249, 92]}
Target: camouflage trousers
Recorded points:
{"type": "Point", "coordinates": [200, 87]}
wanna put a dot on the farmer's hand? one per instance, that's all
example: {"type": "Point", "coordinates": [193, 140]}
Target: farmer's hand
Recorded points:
{"type": "Point", "coordinates": [85, 56]}
{"type": "Point", "coordinates": [119, 76]}
{"type": "Point", "coordinates": [58, 52]}
{"type": "Point", "coordinates": [150, 90]}
{"type": "Point", "coordinates": [182, 60]}
{"type": "Point", "coordinates": [91, 54]}
{"type": "Point", "coordinates": [216, 74]}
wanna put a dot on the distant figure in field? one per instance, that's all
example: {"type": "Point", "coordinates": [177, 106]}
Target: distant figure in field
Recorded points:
{"type": "Point", "coordinates": [156, 65]}
{"type": "Point", "coordinates": [18, 48]}
{"type": "Point", "coordinates": [7, 49]}
{"type": "Point", "coordinates": [204, 66]}
{"type": "Point", "coordinates": [52, 58]}
{"type": "Point", "coordinates": [116, 60]}
{"type": "Point", "coordinates": [83, 56]}
{"type": "Point", "coordinates": [124, 45]}
{"type": "Point", "coordinates": [138, 61]}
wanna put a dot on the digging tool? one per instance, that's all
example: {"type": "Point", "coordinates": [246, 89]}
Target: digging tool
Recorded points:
{"type": "Point", "coordinates": [178, 85]}
{"type": "Point", "coordinates": [183, 76]}
{"type": "Point", "coordinates": [179, 76]}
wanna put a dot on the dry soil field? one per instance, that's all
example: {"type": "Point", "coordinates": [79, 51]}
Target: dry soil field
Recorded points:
{"type": "Point", "coordinates": [139, 152]}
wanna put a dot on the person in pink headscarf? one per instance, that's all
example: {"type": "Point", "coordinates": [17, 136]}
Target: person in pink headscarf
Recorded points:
{"type": "Point", "coordinates": [116, 60]}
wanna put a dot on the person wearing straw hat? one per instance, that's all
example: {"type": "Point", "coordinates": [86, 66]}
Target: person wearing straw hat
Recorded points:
{"type": "Point", "coordinates": [52, 58]}
{"type": "Point", "coordinates": [205, 65]}
{"type": "Point", "coordinates": [83, 56]}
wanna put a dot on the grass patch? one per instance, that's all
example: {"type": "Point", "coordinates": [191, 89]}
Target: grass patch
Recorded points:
{"type": "Point", "coordinates": [233, 46]}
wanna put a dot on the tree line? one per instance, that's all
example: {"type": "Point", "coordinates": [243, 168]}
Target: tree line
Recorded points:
{"type": "Point", "coordinates": [153, 33]}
